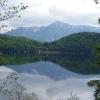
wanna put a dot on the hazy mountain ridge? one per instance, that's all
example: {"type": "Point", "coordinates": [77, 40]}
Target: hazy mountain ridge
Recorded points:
{"type": "Point", "coordinates": [52, 32]}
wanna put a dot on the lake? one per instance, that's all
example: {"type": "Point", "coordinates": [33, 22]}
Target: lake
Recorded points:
{"type": "Point", "coordinates": [51, 81]}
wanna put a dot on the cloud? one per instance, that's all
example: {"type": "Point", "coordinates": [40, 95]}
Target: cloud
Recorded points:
{"type": "Point", "coordinates": [42, 12]}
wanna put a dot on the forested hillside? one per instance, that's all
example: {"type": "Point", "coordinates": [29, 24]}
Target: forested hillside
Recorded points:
{"type": "Point", "coordinates": [79, 52]}
{"type": "Point", "coordinates": [17, 46]}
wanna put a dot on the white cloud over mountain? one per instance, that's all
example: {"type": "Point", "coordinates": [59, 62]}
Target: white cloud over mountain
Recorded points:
{"type": "Point", "coordinates": [42, 12]}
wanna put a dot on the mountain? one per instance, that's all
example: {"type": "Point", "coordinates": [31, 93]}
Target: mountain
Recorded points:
{"type": "Point", "coordinates": [52, 32]}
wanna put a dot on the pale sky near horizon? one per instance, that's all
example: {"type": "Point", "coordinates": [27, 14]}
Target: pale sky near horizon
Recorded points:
{"type": "Point", "coordinates": [43, 12]}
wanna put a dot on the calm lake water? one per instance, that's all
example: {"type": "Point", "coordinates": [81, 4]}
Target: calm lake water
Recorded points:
{"type": "Point", "coordinates": [52, 82]}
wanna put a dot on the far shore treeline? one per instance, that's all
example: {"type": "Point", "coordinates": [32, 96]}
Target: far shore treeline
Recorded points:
{"type": "Point", "coordinates": [78, 52]}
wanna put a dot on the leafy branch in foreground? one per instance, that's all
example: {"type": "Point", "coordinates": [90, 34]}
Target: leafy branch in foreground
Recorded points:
{"type": "Point", "coordinates": [8, 12]}
{"type": "Point", "coordinates": [96, 85]}
{"type": "Point", "coordinates": [97, 2]}
{"type": "Point", "coordinates": [11, 89]}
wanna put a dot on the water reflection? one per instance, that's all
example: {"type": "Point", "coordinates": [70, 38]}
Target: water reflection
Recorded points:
{"type": "Point", "coordinates": [48, 89]}
{"type": "Point", "coordinates": [53, 71]}
{"type": "Point", "coordinates": [52, 82]}
{"type": "Point", "coordinates": [49, 76]}
{"type": "Point", "coordinates": [79, 63]}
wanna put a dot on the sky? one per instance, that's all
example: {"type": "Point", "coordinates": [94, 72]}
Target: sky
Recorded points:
{"type": "Point", "coordinates": [44, 12]}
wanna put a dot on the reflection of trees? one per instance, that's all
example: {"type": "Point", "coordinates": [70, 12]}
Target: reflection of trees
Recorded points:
{"type": "Point", "coordinates": [75, 62]}
{"type": "Point", "coordinates": [73, 97]}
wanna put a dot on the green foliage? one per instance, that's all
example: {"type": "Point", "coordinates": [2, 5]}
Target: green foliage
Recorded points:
{"type": "Point", "coordinates": [88, 43]}
{"type": "Point", "coordinates": [8, 41]}
{"type": "Point", "coordinates": [7, 59]}
{"type": "Point", "coordinates": [96, 85]}
{"type": "Point", "coordinates": [15, 50]}
{"type": "Point", "coordinates": [79, 39]}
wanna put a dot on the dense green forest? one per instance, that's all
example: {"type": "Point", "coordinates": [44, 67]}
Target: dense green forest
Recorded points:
{"type": "Point", "coordinates": [81, 52]}
{"type": "Point", "coordinates": [78, 52]}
